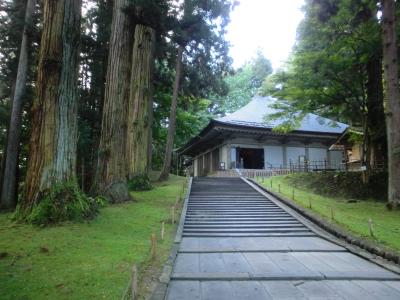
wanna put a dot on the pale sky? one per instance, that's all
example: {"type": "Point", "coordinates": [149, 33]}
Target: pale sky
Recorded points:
{"type": "Point", "coordinates": [269, 25]}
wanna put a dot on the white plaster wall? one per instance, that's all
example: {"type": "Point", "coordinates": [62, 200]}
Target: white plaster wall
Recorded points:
{"type": "Point", "coordinates": [273, 157]}
{"type": "Point", "coordinates": [317, 154]}
{"type": "Point", "coordinates": [293, 153]}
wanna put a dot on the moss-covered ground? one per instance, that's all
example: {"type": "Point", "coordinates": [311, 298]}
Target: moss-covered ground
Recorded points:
{"type": "Point", "coordinates": [91, 260]}
{"type": "Point", "coordinates": [348, 213]}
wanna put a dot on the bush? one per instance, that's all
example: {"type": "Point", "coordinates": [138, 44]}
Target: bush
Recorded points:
{"type": "Point", "coordinates": [62, 202]}
{"type": "Point", "coordinates": [140, 183]}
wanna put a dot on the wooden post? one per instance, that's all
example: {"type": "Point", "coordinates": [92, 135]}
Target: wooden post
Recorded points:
{"type": "Point", "coordinates": [293, 194]}
{"type": "Point", "coordinates": [134, 277]}
{"type": "Point", "coordinates": [162, 230]}
{"type": "Point", "coordinates": [309, 203]}
{"type": "Point", "coordinates": [153, 246]}
{"type": "Point", "coordinates": [332, 214]}
{"type": "Point", "coordinates": [279, 188]}
{"type": "Point", "coordinates": [371, 228]}
{"type": "Point", "coordinates": [177, 201]}
{"type": "Point", "coordinates": [173, 215]}
{"type": "Point", "coordinates": [271, 183]}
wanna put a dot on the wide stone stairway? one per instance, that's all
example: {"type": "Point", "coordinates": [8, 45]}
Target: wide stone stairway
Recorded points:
{"type": "Point", "coordinates": [239, 244]}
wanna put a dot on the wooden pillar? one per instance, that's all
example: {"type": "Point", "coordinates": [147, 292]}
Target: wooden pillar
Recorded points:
{"type": "Point", "coordinates": [284, 149]}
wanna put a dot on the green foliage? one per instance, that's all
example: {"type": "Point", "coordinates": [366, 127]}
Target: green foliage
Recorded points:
{"type": "Point", "coordinates": [206, 61]}
{"type": "Point", "coordinates": [244, 84]}
{"type": "Point", "coordinates": [355, 137]}
{"type": "Point", "coordinates": [327, 73]}
{"type": "Point", "coordinates": [62, 202]}
{"type": "Point", "coordinates": [152, 13]}
{"type": "Point", "coordinates": [140, 183]}
{"type": "Point", "coordinates": [199, 25]}
{"type": "Point", "coordinates": [335, 71]}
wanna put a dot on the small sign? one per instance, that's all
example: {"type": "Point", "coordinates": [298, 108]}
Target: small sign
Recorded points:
{"type": "Point", "coordinates": [363, 168]}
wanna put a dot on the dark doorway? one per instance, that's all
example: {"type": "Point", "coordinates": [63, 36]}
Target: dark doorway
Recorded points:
{"type": "Point", "coordinates": [250, 158]}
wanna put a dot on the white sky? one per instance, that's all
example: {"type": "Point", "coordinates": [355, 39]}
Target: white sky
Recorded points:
{"type": "Point", "coordinates": [269, 25]}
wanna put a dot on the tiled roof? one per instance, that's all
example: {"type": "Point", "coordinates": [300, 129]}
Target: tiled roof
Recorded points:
{"type": "Point", "coordinates": [252, 115]}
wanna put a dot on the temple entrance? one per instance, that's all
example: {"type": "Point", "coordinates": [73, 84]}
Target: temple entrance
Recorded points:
{"type": "Point", "coordinates": [250, 158]}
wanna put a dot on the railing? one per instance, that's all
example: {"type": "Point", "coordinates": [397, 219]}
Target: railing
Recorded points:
{"type": "Point", "coordinates": [250, 173]}
{"type": "Point", "coordinates": [306, 166]}
{"type": "Point", "coordinates": [317, 165]}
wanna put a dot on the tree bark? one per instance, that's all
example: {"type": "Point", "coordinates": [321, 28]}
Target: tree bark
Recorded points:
{"type": "Point", "coordinates": [150, 133]}
{"type": "Point", "coordinates": [140, 101]}
{"type": "Point", "coordinates": [172, 117]}
{"type": "Point", "coordinates": [9, 183]}
{"type": "Point", "coordinates": [52, 153]}
{"type": "Point", "coordinates": [376, 128]}
{"type": "Point", "coordinates": [393, 101]}
{"type": "Point", "coordinates": [111, 170]}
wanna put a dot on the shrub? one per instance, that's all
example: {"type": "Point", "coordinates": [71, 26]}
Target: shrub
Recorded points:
{"type": "Point", "coordinates": [140, 183]}
{"type": "Point", "coordinates": [62, 202]}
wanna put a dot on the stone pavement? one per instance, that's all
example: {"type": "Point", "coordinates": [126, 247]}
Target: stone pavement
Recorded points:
{"type": "Point", "coordinates": [238, 244]}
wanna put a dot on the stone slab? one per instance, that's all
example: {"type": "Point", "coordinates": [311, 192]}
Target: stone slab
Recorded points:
{"type": "Point", "coordinates": [295, 289]}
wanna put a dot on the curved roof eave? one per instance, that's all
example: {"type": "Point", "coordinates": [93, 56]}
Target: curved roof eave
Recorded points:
{"type": "Point", "coordinates": [251, 116]}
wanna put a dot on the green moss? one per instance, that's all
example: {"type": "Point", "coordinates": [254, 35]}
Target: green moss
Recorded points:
{"type": "Point", "coordinates": [90, 260]}
{"type": "Point", "coordinates": [62, 202]}
{"type": "Point", "coordinates": [140, 183]}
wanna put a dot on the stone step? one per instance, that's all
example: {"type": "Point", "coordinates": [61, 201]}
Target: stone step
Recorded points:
{"type": "Point", "coordinates": [240, 222]}
{"type": "Point", "coordinates": [244, 230]}
{"type": "Point", "coordinates": [274, 234]}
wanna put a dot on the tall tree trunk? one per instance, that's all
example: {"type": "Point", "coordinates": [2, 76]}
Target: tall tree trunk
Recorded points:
{"type": "Point", "coordinates": [52, 153]}
{"type": "Point", "coordinates": [9, 182]}
{"type": "Point", "coordinates": [98, 57]}
{"type": "Point", "coordinates": [15, 32]}
{"type": "Point", "coordinates": [365, 149]}
{"type": "Point", "coordinates": [393, 101]}
{"type": "Point", "coordinates": [172, 117]}
{"type": "Point", "coordinates": [376, 128]}
{"type": "Point", "coordinates": [111, 172]}
{"type": "Point", "coordinates": [140, 101]}
{"type": "Point", "coordinates": [150, 133]}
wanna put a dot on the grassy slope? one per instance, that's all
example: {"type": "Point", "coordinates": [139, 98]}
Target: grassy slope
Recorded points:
{"type": "Point", "coordinates": [351, 216]}
{"type": "Point", "coordinates": [87, 260]}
